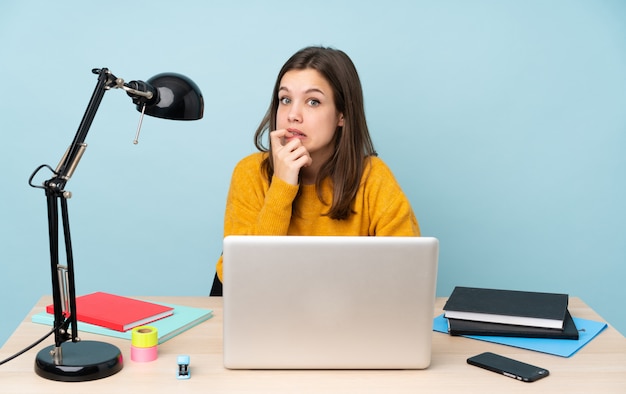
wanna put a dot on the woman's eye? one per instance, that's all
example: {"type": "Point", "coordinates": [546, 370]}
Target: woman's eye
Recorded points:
{"type": "Point", "coordinates": [285, 100]}
{"type": "Point", "coordinates": [314, 102]}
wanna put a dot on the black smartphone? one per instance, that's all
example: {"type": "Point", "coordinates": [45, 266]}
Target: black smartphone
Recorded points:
{"type": "Point", "coordinates": [508, 367]}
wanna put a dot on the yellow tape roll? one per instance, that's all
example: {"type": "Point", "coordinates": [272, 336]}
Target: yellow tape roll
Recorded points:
{"type": "Point", "coordinates": [144, 336]}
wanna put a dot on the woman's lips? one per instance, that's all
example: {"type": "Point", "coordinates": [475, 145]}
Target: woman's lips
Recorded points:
{"type": "Point", "coordinates": [296, 133]}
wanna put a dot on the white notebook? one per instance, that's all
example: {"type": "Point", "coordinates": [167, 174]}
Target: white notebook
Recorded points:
{"type": "Point", "coordinates": [327, 302]}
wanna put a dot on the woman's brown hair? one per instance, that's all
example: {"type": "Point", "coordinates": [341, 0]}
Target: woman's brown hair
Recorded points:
{"type": "Point", "coordinates": [353, 144]}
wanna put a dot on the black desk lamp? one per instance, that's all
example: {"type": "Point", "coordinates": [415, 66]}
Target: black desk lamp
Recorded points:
{"type": "Point", "coordinates": [167, 95]}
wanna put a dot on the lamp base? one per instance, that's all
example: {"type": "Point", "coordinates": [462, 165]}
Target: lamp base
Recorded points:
{"type": "Point", "coordinates": [82, 361]}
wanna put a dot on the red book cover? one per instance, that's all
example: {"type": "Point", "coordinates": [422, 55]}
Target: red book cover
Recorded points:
{"type": "Point", "coordinates": [116, 312]}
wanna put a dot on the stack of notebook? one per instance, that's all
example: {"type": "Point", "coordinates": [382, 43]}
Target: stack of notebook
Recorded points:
{"type": "Point", "coordinates": [113, 315]}
{"type": "Point", "coordinates": [476, 311]}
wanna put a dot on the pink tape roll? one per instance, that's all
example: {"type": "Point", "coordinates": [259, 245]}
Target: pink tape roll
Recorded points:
{"type": "Point", "coordinates": [143, 354]}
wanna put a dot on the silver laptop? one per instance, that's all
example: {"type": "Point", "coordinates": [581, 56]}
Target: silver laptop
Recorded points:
{"type": "Point", "coordinates": [328, 302]}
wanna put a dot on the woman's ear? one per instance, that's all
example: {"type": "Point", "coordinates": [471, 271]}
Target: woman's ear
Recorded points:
{"type": "Point", "coordinates": [340, 122]}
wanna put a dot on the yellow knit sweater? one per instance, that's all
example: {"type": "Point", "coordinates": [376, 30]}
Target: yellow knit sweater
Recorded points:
{"type": "Point", "coordinates": [255, 208]}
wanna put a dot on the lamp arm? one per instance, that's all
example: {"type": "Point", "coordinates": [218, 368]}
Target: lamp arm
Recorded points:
{"type": "Point", "coordinates": [63, 284]}
{"type": "Point", "coordinates": [72, 156]}
{"type": "Point", "coordinates": [134, 92]}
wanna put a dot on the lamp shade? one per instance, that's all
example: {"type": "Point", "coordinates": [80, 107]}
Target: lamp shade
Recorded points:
{"type": "Point", "coordinates": [176, 97]}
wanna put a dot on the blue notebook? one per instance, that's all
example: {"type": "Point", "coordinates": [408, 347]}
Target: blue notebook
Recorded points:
{"type": "Point", "coordinates": [587, 330]}
{"type": "Point", "coordinates": [184, 318]}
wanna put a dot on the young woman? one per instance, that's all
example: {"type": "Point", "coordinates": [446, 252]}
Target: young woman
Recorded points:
{"type": "Point", "coordinates": [320, 174]}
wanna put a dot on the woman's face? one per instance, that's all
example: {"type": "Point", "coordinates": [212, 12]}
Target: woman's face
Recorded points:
{"type": "Point", "coordinates": [307, 110]}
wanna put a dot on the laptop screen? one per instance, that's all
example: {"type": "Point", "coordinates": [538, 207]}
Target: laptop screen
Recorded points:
{"type": "Point", "coordinates": [328, 302]}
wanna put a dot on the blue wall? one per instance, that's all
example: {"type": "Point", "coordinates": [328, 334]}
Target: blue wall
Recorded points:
{"type": "Point", "coordinates": [505, 122]}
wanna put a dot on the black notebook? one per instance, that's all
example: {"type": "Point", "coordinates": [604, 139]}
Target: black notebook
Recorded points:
{"type": "Point", "coordinates": [521, 308]}
{"type": "Point", "coordinates": [469, 327]}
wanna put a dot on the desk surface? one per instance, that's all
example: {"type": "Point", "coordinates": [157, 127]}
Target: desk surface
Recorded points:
{"type": "Point", "coordinates": [598, 367]}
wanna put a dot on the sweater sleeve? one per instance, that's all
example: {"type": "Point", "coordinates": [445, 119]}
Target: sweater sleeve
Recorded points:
{"type": "Point", "coordinates": [391, 212]}
{"type": "Point", "coordinates": [253, 207]}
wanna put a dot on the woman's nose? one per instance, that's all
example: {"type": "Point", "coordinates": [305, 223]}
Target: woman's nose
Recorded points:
{"type": "Point", "coordinates": [295, 114]}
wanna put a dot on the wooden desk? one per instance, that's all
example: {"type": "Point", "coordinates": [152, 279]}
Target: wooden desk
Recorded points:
{"type": "Point", "coordinates": [600, 367]}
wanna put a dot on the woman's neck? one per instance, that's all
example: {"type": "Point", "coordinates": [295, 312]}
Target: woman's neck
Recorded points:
{"type": "Point", "coordinates": [308, 175]}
